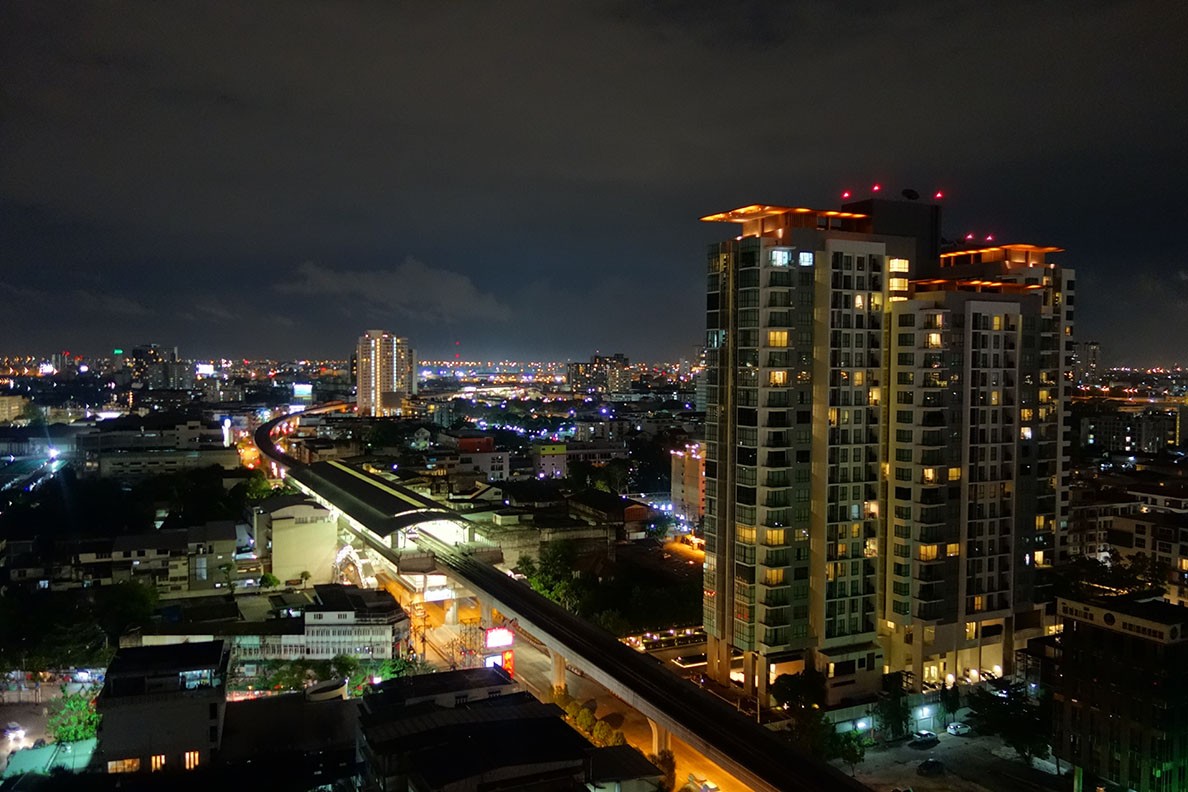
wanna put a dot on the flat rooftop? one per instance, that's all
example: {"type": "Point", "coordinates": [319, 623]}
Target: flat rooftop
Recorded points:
{"type": "Point", "coordinates": [401, 689]}
{"type": "Point", "coordinates": [141, 660]}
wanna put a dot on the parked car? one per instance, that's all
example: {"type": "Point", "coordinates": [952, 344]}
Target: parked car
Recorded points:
{"type": "Point", "coordinates": [14, 731]}
{"type": "Point", "coordinates": [931, 767]}
{"type": "Point", "coordinates": [958, 728]}
{"type": "Point", "coordinates": [923, 739]}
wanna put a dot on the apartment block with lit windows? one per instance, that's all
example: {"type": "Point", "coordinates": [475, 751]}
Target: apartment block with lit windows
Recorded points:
{"type": "Point", "coordinates": [878, 494]}
{"type": "Point", "coordinates": [974, 467]}
{"type": "Point", "coordinates": [385, 373]}
{"type": "Point", "coordinates": [794, 433]}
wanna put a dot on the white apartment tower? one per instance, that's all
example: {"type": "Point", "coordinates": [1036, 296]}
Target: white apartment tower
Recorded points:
{"type": "Point", "coordinates": [386, 373]}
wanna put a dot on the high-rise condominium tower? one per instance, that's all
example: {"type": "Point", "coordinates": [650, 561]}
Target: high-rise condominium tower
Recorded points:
{"type": "Point", "coordinates": [385, 373]}
{"type": "Point", "coordinates": [884, 444]}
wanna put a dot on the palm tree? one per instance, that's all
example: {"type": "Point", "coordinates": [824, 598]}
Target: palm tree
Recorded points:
{"type": "Point", "coordinates": [305, 576]}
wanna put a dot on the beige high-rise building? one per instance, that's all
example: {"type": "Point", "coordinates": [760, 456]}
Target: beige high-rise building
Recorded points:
{"type": "Point", "coordinates": [385, 373]}
{"type": "Point", "coordinates": [885, 449]}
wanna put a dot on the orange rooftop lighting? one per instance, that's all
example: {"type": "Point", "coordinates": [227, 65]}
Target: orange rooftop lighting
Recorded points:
{"type": "Point", "coordinates": [745, 214]}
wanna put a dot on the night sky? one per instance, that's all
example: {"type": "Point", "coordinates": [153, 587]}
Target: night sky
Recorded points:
{"type": "Point", "coordinates": [269, 179]}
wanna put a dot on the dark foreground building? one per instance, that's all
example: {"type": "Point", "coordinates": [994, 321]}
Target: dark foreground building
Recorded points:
{"type": "Point", "coordinates": [1120, 695]}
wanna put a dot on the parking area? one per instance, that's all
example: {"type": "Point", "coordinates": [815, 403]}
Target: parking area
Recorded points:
{"type": "Point", "coordinates": [31, 717]}
{"type": "Point", "coordinates": [972, 763]}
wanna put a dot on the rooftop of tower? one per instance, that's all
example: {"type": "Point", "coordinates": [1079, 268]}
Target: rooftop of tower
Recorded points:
{"type": "Point", "coordinates": [744, 214]}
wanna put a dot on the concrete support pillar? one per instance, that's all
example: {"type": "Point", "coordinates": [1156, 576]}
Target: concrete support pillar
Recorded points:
{"type": "Point", "coordinates": [558, 659]}
{"type": "Point", "coordinates": [762, 680]}
{"type": "Point", "coordinates": [918, 663]}
{"type": "Point", "coordinates": [749, 685]}
{"type": "Point", "coordinates": [661, 739]}
{"type": "Point", "coordinates": [451, 612]}
{"type": "Point", "coordinates": [717, 658]}
{"type": "Point", "coordinates": [484, 611]}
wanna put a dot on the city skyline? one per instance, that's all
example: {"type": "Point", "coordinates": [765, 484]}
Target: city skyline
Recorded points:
{"type": "Point", "coordinates": [205, 179]}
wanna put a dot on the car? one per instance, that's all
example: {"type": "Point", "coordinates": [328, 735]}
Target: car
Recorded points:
{"type": "Point", "coordinates": [923, 739]}
{"type": "Point", "coordinates": [958, 728]}
{"type": "Point", "coordinates": [931, 767]}
{"type": "Point", "coordinates": [14, 731]}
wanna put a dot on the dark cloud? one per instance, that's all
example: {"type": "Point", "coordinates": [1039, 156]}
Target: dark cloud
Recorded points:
{"type": "Point", "coordinates": [548, 161]}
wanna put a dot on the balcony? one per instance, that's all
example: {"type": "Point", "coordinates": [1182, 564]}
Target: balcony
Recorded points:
{"type": "Point", "coordinates": [774, 596]}
{"type": "Point", "coordinates": [931, 611]}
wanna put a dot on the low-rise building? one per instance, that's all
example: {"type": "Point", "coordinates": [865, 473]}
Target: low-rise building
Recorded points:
{"type": "Point", "coordinates": [295, 534]}
{"type": "Point", "coordinates": [410, 730]}
{"type": "Point", "coordinates": [362, 623]}
{"type": "Point", "coordinates": [338, 620]}
{"type": "Point", "coordinates": [629, 517]}
{"type": "Point", "coordinates": [1119, 695]}
{"type": "Point", "coordinates": [162, 708]}
{"type": "Point", "coordinates": [552, 460]}
{"type": "Point", "coordinates": [688, 483]}
{"type": "Point", "coordinates": [175, 561]}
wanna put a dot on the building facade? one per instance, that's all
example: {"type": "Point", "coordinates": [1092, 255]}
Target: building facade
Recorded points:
{"type": "Point", "coordinates": [883, 418]}
{"type": "Point", "coordinates": [1119, 697]}
{"type": "Point", "coordinates": [385, 373]}
{"type": "Point", "coordinates": [162, 708]}
{"type": "Point", "coordinates": [688, 483]}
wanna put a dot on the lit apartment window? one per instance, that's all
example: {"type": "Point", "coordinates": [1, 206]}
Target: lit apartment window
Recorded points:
{"type": "Point", "coordinates": [777, 338]}
{"type": "Point", "coordinates": [897, 265]}
{"type": "Point", "coordinates": [777, 378]}
{"type": "Point", "coordinates": [773, 577]}
{"type": "Point", "coordinates": [191, 760]}
{"type": "Point", "coordinates": [953, 550]}
{"type": "Point", "coordinates": [955, 474]}
{"type": "Point", "coordinates": [157, 762]}
{"type": "Point", "coordinates": [897, 284]}
{"type": "Point", "coordinates": [124, 766]}
{"type": "Point", "coordinates": [927, 553]}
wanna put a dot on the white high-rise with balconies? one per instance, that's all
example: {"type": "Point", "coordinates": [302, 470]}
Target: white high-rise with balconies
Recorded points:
{"type": "Point", "coordinates": [386, 373]}
{"type": "Point", "coordinates": [878, 495]}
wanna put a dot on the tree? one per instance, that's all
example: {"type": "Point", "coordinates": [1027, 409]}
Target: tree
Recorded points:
{"type": "Point", "coordinates": [257, 486]}
{"type": "Point", "coordinates": [665, 761]}
{"type": "Point", "coordinates": [585, 720]}
{"type": "Point", "coordinates": [602, 732]}
{"type": "Point", "coordinates": [73, 717]}
{"type": "Point", "coordinates": [806, 689]}
{"type": "Point", "coordinates": [227, 571]}
{"type": "Point", "coordinates": [811, 731]}
{"type": "Point", "coordinates": [803, 695]}
{"type": "Point", "coordinates": [269, 580]}
{"type": "Point", "coordinates": [1013, 715]}
{"type": "Point", "coordinates": [344, 666]}
{"type": "Point", "coordinates": [850, 747]}
{"type": "Point", "coordinates": [892, 712]}
{"type": "Point", "coordinates": [950, 701]}
{"type": "Point", "coordinates": [123, 606]}
{"type": "Point", "coordinates": [305, 576]}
